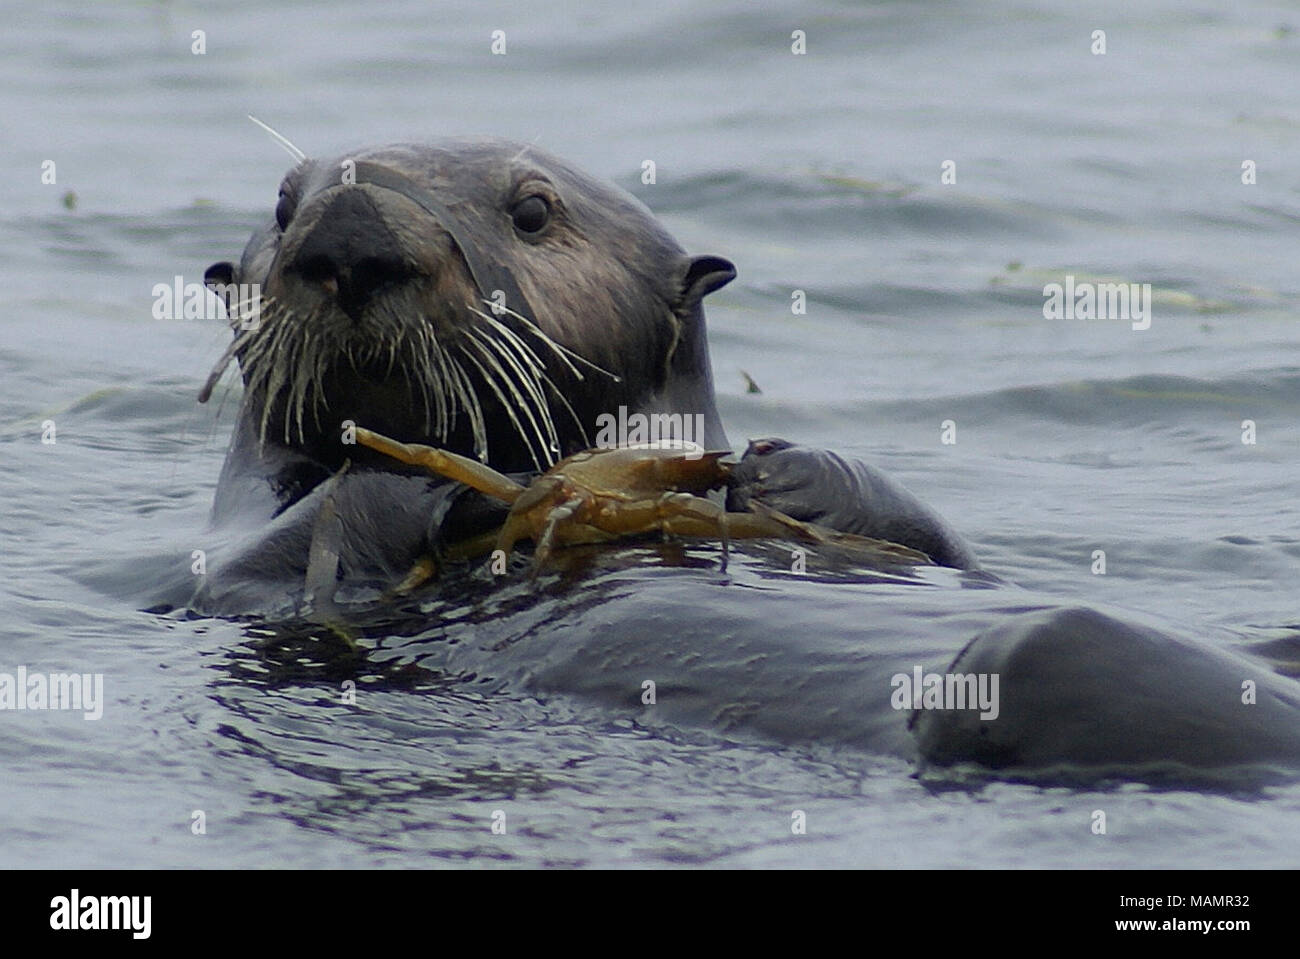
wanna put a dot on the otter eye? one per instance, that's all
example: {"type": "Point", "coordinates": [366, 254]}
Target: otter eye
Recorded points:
{"type": "Point", "coordinates": [531, 214]}
{"type": "Point", "coordinates": [284, 208]}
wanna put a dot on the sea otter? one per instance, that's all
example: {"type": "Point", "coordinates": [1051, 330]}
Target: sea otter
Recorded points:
{"type": "Point", "coordinates": [484, 297]}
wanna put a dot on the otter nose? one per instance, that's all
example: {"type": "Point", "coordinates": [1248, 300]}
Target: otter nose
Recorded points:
{"type": "Point", "coordinates": [351, 252]}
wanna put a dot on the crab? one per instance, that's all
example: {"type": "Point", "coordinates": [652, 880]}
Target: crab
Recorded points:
{"type": "Point", "coordinates": [602, 495]}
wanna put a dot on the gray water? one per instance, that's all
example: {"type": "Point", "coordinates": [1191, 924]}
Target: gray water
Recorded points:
{"type": "Point", "coordinates": [819, 173]}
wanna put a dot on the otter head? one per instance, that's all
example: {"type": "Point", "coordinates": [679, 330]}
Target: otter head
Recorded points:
{"type": "Point", "coordinates": [480, 296]}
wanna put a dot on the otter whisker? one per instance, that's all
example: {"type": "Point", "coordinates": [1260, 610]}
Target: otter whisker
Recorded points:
{"type": "Point", "coordinates": [283, 376]}
{"type": "Point", "coordinates": [237, 344]}
{"type": "Point", "coordinates": [419, 394]}
{"type": "Point", "coordinates": [294, 381]}
{"type": "Point", "coordinates": [470, 404]}
{"type": "Point", "coordinates": [538, 368]}
{"type": "Point", "coordinates": [419, 365]}
{"type": "Point", "coordinates": [238, 312]}
{"type": "Point", "coordinates": [266, 306]}
{"type": "Point", "coordinates": [539, 372]}
{"type": "Point", "coordinates": [529, 369]}
{"type": "Point", "coordinates": [432, 359]}
{"type": "Point", "coordinates": [498, 389]}
{"type": "Point", "coordinates": [512, 346]}
{"type": "Point", "coordinates": [255, 372]}
{"type": "Point", "coordinates": [573, 414]}
{"type": "Point", "coordinates": [497, 380]}
{"type": "Point", "coordinates": [300, 392]}
{"type": "Point", "coordinates": [561, 351]}
{"type": "Point", "coordinates": [293, 151]}
{"type": "Point", "coordinates": [513, 338]}
{"type": "Point", "coordinates": [273, 366]}
{"type": "Point", "coordinates": [318, 380]}
{"type": "Point", "coordinates": [527, 380]}
{"type": "Point", "coordinates": [460, 392]}
{"type": "Point", "coordinates": [412, 349]}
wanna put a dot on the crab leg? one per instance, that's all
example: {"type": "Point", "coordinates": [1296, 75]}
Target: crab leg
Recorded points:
{"type": "Point", "coordinates": [462, 469]}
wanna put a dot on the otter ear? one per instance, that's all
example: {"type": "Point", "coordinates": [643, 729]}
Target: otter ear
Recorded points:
{"type": "Point", "coordinates": [704, 274]}
{"type": "Point", "coordinates": [220, 279]}
{"type": "Point", "coordinates": [219, 274]}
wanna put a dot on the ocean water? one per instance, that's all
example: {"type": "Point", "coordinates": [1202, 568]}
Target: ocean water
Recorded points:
{"type": "Point", "coordinates": [818, 173]}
